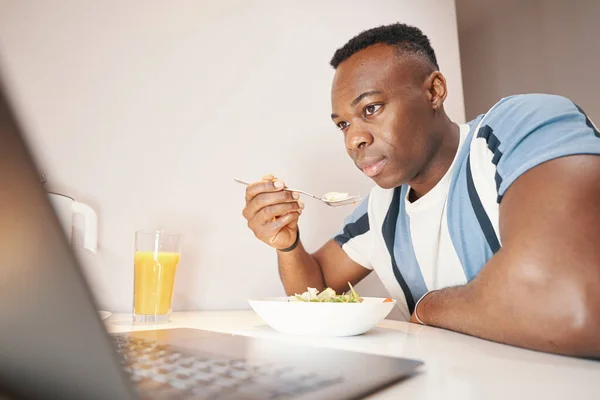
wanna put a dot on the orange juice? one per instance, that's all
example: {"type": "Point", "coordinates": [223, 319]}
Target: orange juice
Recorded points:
{"type": "Point", "coordinates": [154, 278]}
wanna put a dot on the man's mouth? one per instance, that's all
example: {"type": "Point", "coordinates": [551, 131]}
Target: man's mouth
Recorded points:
{"type": "Point", "coordinates": [372, 167]}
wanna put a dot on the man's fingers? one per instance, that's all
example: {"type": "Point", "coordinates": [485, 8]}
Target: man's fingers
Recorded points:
{"type": "Point", "coordinates": [294, 223]}
{"type": "Point", "coordinates": [263, 200]}
{"type": "Point", "coordinates": [257, 188]}
{"type": "Point", "coordinates": [272, 213]}
{"type": "Point", "coordinates": [266, 232]}
{"type": "Point", "coordinates": [267, 214]}
{"type": "Point", "coordinates": [281, 222]}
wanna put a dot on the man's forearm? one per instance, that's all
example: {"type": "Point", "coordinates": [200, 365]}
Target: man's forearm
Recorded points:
{"type": "Point", "coordinates": [449, 308]}
{"type": "Point", "coordinates": [468, 309]}
{"type": "Point", "coordinates": [299, 270]}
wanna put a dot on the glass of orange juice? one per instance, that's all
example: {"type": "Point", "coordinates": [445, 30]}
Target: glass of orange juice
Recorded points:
{"type": "Point", "coordinates": [156, 257]}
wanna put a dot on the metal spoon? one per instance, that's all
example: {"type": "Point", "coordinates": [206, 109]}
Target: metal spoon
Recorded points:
{"type": "Point", "coordinates": [331, 203]}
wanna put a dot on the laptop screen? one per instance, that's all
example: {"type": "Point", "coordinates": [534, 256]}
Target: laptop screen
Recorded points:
{"type": "Point", "coordinates": [52, 342]}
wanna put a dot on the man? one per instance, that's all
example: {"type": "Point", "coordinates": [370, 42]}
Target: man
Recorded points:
{"type": "Point", "coordinates": [490, 228]}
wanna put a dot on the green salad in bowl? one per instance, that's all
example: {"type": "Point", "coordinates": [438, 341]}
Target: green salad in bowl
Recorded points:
{"type": "Point", "coordinates": [327, 296]}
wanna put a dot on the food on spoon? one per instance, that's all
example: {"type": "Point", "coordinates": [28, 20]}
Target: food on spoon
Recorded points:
{"type": "Point", "coordinates": [328, 295]}
{"type": "Point", "coordinates": [335, 196]}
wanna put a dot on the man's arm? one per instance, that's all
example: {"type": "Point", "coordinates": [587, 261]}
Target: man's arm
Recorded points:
{"type": "Point", "coordinates": [542, 289]}
{"type": "Point", "coordinates": [330, 267]}
{"type": "Point", "coordinates": [272, 214]}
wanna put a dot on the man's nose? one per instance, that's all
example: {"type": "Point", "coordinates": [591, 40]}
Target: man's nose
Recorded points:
{"type": "Point", "coordinates": [357, 138]}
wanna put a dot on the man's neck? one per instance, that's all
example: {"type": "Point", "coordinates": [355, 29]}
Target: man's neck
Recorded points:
{"type": "Point", "coordinates": [439, 164]}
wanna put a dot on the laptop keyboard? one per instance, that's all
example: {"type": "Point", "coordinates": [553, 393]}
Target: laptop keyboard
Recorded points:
{"type": "Point", "coordinates": [161, 372]}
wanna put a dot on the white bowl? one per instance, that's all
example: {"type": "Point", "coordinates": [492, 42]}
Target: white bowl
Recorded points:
{"type": "Point", "coordinates": [322, 319]}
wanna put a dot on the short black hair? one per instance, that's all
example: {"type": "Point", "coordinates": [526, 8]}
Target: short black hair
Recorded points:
{"type": "Point", "coordinates": [405, 37]}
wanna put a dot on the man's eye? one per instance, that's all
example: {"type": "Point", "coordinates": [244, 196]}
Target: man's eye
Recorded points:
{"type": "Point", "coordinates": [372, 109]}
{"type": "Point", "coordinates": [342, 125]}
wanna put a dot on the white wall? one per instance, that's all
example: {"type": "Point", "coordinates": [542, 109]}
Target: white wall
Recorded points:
{"type": "Point", "coordinates": [147, 110]}
{"type": "Point", "coordinates": [548, 46]}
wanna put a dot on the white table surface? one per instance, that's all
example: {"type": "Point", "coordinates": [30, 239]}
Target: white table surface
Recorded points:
{"type": "Point", "coordinates": [456, 366]}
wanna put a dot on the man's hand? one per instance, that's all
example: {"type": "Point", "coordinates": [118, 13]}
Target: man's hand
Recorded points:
{"type": "Point", "coordinates": [272, 213]}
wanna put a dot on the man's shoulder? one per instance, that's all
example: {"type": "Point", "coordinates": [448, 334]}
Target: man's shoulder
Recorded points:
{"type": "Point", "coordinates": [534, 100]}
{"type": "Point", "coordinates": [523, 108]}
{"type": "Point", "coordinates": [513, 117]}
{"type": "Point", "coordinates": [522, 131]}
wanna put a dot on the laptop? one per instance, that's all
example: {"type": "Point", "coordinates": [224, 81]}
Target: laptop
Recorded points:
{"type": "Point", "coordinates": [53, 344]}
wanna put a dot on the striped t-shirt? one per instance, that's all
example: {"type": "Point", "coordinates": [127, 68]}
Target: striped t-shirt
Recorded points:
{"type": "Point", "coordinates": [447, 236]}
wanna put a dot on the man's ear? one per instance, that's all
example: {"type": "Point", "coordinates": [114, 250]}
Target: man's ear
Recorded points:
{"type": "Point", "coordinates": [438, 91]}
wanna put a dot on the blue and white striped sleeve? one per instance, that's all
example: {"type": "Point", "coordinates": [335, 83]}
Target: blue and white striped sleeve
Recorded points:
{"type": "Point", "coordinates": [524, 131]}
{"type": "Point", "coordinates": [355, 238]}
